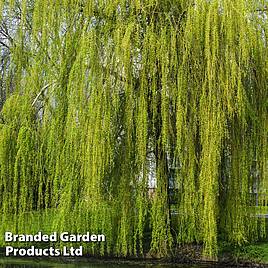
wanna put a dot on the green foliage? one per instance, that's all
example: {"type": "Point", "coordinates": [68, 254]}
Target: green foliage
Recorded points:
{"type": "Point", "coordinates": [109, 92]}
{"type": "Point", "coordinates": [250, 253]}
{"type": "Point", "coordinates": [255, 252]}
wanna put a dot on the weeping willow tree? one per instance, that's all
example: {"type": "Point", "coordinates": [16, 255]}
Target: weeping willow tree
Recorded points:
{"type": "Point", "coordinates": [107, 93]}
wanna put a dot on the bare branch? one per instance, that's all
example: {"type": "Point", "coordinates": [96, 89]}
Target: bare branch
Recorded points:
{"type": "Point", "coordinates": [41, 92]}
{"type": "Point", "coordinates": [3, 44]}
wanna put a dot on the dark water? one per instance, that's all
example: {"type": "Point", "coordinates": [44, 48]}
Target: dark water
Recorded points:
{"type": "Point", "coordinates": [23, 263]}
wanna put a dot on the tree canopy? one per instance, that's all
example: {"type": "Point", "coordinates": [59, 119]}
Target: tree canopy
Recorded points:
{"type": "Point", "coordinates": [108, 94]}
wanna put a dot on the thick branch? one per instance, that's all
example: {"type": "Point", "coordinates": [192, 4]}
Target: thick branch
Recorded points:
{"type": "Point", "coordinates": [41, 92]}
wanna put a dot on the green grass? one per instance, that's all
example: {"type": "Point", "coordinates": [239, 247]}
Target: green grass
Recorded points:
{"type": "Point", "coordinates": [255, 252]}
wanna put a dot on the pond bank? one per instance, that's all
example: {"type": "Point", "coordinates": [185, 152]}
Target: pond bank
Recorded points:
{"type": "Point", "coordinates": [185, 257]}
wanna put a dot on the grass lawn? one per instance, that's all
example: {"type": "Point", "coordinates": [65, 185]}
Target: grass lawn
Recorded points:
{"type": "Point", "coordinates": [255, 252]}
